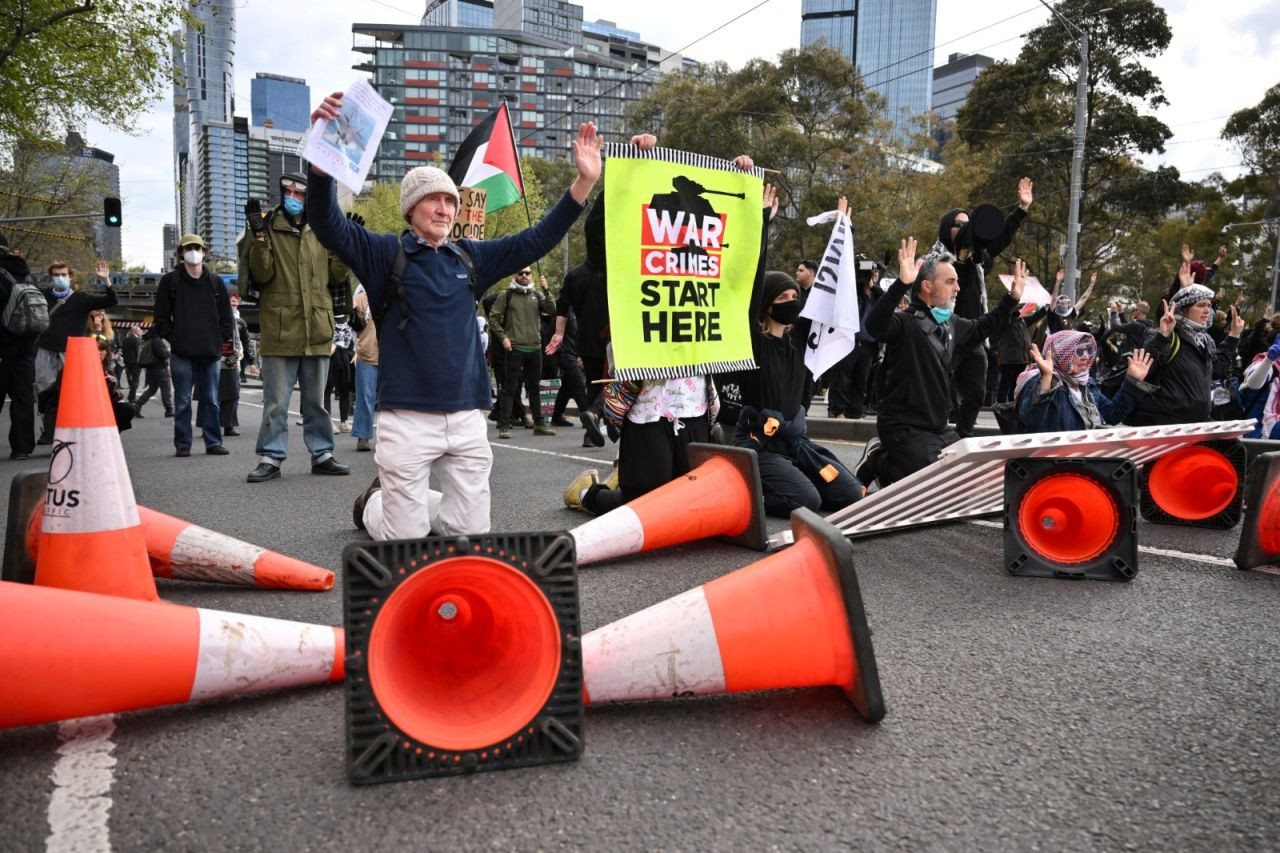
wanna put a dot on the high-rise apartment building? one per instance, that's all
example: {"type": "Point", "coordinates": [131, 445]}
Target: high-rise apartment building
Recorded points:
{"type": "Point", "coordinates": [203, 133]}
{"type": "Point", "coordinates": [953, 81]}
{"type": "Point", "coordinates": [477, 14]}
{"type": "Point", "coordinates": [282, 102]}
{"type": "Point", "coordinates": [557, 20]}
{"type": "Point", "coordinates": [890, 42]}
{"type": "Point", "coordinates": [442, 81]}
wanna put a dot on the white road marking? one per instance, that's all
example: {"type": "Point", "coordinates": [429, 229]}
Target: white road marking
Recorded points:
{"type": "Point", "coordinates": [81, 805]}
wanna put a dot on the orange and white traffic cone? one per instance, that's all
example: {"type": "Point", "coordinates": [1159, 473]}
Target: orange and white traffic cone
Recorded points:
{"type": "Point", "coordinates": [720, 496]}
{"type": "Point", "coordinates": [74, 654]}
{"type": "Point", "coordinates": [1201, 485]}
{"type": "Point", "coordinates": [1260, 533]}
{"type": "Point", "coordinates": [185, 551]}
{"type": "Point", "coordinates": [178, 549]}
{"type": "Point", "coordinates": [90, 536]}
{"type": "Point", "coordinates": [793, 619]}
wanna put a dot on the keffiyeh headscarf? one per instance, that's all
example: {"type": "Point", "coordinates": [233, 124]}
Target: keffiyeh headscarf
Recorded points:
{"type": "Point", "coordinates": [1060, 348]}
{"type": "Point", "coordinates": [1198, 332]}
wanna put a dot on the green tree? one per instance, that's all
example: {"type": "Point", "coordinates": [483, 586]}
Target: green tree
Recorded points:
{"type": "Point", "coordinates": [1256, 130]}
{"type": "Point", "coordinates": [1020, 115]}
{"type": "Point", "coordinates": [63, 63]}
{"type": "Point", "coordinates": [43, 181]}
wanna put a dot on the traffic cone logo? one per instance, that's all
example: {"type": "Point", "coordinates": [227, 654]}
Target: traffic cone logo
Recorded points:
{"type": "Point", "coordinates": [793, 619]}
{"type": "Point", "coordinates": [1260, 532]}
{"type": "Point", "coordinates": [1197, 486]}
{"type": "Point", "coordinates": [177, 549]}
{"type": "Point", "coordinates": [74, 654]}
{"type": "Point", "coordinates": [1070, 518]}
{"type": "Point", "coordinates": [90, 537]}
{"type": "Point", "coordinates": [463, 655]}
{"type": "Point", "coordinates": [720, 496]}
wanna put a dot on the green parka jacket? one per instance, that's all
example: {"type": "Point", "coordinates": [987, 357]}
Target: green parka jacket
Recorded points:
{"type": "Point", "coordinates": [293, 271]}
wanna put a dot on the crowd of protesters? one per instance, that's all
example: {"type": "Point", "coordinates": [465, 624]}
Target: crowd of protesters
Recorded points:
{"type": "Point", "coordinates": [400, 330]}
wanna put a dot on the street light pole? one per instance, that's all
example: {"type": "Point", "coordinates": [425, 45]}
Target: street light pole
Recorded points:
{"type": "Point", "coordinates": [1072, 261]}
{"type": "Point", "coordinates": [1275, 261]}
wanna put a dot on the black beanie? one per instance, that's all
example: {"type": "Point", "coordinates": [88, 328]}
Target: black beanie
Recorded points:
{"type": "Point", "coordinates": [775, 284]}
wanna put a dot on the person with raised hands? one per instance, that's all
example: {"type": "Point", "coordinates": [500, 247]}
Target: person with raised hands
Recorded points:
{"type": "Point", "coordinates": [1185, 359]}
{"type": "Point", "coordinates": [1059, 393]}
{"type": "Point", "coordinates": [433, 386]}
{"type": "Point", "coordinates": [922, 344]}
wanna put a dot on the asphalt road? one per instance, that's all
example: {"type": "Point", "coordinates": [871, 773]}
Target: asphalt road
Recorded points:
{"type": "Point", "coordinates": [1022, 713]}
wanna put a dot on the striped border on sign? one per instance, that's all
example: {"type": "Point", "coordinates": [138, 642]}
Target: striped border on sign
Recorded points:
{"type": "Point", "coordinates": [672, 155]}
{"type": "Point", "coordinates": [638, 374]}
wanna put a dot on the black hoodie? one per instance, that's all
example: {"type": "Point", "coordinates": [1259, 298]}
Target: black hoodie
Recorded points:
{"type": "Point", "coordinates": [969, 299]}
{"type": "Point", "coordinates": [584, 289]}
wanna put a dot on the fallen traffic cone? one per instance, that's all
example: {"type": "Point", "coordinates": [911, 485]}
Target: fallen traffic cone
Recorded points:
{"type": "Point", "coordinates": [185, 551]}
{"type": "Point", "coordinates": [1260, 533]}
{"type": "Point", "coordinates": [90, 536]}
{"type": "Point", "coordinates": [1070, 518]}
{"type": "Point", "coordinates": [793, 619]}
{"type": "Point", "coordinates": [463, 655]}
{"type": "Point", "coordinates": [1197, 486]}
{"type": "Point", "coordinates": [720, 496]}
{"type": "Point", "coordinates": [74, 654]}
{"type": "Point", "coordinates": [178, 549]}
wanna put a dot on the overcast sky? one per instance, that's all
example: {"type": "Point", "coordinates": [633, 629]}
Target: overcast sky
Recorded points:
{"type": "Point", "coordinates": [1214, 66]}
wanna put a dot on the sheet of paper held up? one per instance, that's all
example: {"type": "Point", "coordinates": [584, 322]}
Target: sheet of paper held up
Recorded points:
{"type": "Point", "coordinates": [344, 147]}
{"type": "Point", "coordinates": [1032, 294]}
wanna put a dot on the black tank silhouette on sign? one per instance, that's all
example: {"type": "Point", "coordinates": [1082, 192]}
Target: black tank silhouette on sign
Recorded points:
{"type": "Point", "coordinates": [687, 199]}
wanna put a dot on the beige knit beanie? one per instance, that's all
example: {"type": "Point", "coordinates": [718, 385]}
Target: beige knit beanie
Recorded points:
{"type": "Point", "coordinates": [422, 181]}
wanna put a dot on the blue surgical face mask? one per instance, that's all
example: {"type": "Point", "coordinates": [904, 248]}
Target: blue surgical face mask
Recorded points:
{"type": "Point", "coordinates": [940, 315]}
{"type": "Point", "coordinates": [61, 285]}
{"type": "Point", "coordinates": [292, 206]}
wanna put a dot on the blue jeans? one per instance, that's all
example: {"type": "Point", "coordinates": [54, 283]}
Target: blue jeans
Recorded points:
{"type": "Point", "coordinates": [186, 374]}
{"type": "Point", "coordinates": [366, 392]}
{"type": "Point", "coordinates": [278, 376]}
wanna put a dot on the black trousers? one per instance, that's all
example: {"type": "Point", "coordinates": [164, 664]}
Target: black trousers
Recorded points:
{"type": "Point", "coordinates": [134, 374]}
{"type": "Point", "coordinates": [158, 380]}
{"type": "Point", "coordinates": [971, 388]}
{"type": "Point", "coordinates": [17, 384]}
{"type": "Point", "coordinates": [837, 381]}
{"type": "Point", "coordinates": [864, 359]}
{"type": "Point", "coordinates": [498, 360]}
{"type": "Point", "coordinates": [526, 367]}
{"type": "Point", "coordinates": [1009, 374]}
{"type": "Point", "coordinates": [905, 450]}
{"type": "Point", "coordinates": [573, 386]}
{"type": "Point", "coordinates": [649, 456]}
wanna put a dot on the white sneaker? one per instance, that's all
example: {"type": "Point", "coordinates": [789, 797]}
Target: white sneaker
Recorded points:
{"type": "Point", "coordinates": [344, 427]}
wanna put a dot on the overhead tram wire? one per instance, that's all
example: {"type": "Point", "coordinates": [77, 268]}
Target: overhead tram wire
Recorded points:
{"type": "Point", "coordinates": [646, 69]}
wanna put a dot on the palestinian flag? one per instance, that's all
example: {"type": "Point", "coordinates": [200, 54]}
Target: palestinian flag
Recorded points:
{"type": "Point", "coordinates": [487, 160]}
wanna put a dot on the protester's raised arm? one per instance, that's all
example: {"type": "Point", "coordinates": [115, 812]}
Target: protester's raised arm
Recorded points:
{"type": "Point", "coordinates": [586, 157]}
{"type": "Point", "coordinates": [328, 110]}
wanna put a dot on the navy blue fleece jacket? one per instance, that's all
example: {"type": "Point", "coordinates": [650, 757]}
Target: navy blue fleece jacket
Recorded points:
{"type": "Point", "coordinates": [435, 363]}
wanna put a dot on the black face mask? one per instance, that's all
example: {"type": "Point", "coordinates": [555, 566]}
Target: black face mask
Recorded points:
{"type": "Point", "coordinates": [785, 312]}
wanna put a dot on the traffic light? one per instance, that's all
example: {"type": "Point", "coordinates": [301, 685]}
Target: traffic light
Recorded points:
{"type": "Point", "coordinates": [111, 214]}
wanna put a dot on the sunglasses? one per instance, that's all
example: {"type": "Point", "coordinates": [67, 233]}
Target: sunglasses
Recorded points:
{"type": "Point", "coordinates": [525, 273]}
{"type": "Point", "coordinates": [1086, 351]}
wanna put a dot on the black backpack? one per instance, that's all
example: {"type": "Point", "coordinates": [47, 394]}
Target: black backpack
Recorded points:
{"type": "Point", "coordinates": [395, 282]}
{"type": "Point", "coordinates": [26, 312]}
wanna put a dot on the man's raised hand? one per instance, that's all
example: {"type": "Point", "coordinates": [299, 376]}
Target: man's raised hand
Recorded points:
{"type": "Point", "coordinates": [908, 266]}
{"type": "Point", "coordinates": [1184, 274]}
{"type": "Point", "coordinates": [586, 156]}
{"type": "Point", "coordinates": [1024, 193]}
{"type": "Point", "coordinates": [103, 271]}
